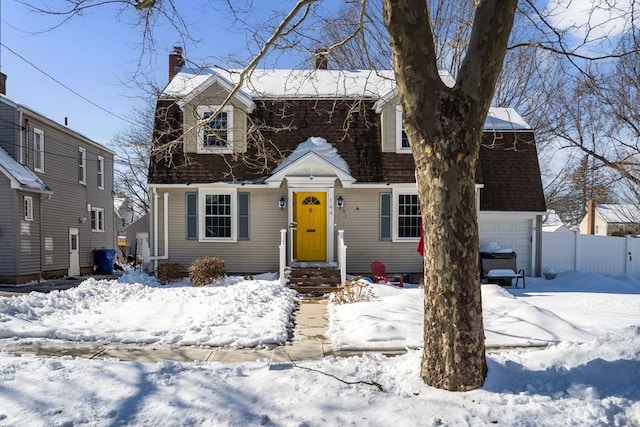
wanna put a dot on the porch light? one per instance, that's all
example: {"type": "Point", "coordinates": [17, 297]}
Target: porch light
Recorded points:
{"type": "Point", "coordinates": [282, 203]}
{"type": "Point", "coordinates": [340, 202]}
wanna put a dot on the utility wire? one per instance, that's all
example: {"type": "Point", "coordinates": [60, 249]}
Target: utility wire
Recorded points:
{"type": "Point", "coordinates": [67, 87]}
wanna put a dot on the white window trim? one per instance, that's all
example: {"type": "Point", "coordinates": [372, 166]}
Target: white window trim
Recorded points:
{"type": "Point", "coordinates": [28, 208]}
{"type": "Point", "coordinates": [399, 126]}
{"type": "Point", "coordinates": [202, 193]}
{"type": "Point", "coordinates": [201, 149]}
{"type": "Point", "coordinates": [39, 132]}
{"type": "Point", "coordinates": [100, 172]}
{"type": "Point", "coordinates": [99, 224]}
{"type": "Point", "coordinates": [83, 166]}
{"type": "Point", "coordinates": [395, 213]}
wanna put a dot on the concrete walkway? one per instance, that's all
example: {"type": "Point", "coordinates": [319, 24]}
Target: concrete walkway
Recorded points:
{"type": "Point", "coordinates": [309, 342]}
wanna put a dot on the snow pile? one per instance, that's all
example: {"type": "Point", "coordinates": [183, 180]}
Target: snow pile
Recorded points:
{"type": "Point", "coordinates": [546, 312]}
{"type": "Point", "coordinates": [234, 312]}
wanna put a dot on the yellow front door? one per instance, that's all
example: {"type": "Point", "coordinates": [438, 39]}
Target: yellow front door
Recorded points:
{"type": "Point", "coordinates": [310, 236]}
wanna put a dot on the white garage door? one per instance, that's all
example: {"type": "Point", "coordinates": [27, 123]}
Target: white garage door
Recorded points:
{"type": "Point", "coordinates": [509, 233]}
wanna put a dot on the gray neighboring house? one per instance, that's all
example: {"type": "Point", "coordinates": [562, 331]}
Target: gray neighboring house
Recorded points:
{"type": "Point", "coordinates": [56, 197]}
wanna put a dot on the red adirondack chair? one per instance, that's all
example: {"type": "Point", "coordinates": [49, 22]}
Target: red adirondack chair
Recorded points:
{"type": "Point", "coordinates": [379, 272]}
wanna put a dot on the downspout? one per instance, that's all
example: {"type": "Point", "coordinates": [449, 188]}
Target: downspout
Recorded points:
{"type": "Point", "coordinates": [157, 257]}
{"type": "Point", "coordinates": [21, 137]}
{"type": "Point", "coordinates": [41, 239]}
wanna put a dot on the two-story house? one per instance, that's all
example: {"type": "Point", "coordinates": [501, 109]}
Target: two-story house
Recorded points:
{"type": "Point", "coordinates": [316, 152]}
{"type": "Point", "coordinates": [56, 197]}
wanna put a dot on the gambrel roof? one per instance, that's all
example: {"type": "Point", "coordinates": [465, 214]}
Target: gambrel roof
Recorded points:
{"type": "Point", "coordinates": [508, 164]}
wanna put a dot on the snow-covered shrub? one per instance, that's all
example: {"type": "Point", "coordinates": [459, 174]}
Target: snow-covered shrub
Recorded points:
{"type": "Point", "coordinates": [549, 273]}
{"type": "Point", "coordinates": [170, 272]}
{"type": "Point", "coordinates": [353, 291]}
{"type": "Point", "coordinates": [204, 271]}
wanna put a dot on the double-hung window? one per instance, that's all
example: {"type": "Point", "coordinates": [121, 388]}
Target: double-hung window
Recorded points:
{"type": "Point", "coordinates": [28, 208]}
{"type": "Point", "coordinates": [408, 216]}
{"type": "Point", "coordinates": [217, 215]}
{"type": "Point", "coordinates": [216, 131]}
{"type": "Point", "coordinates": [38, 150]}
{"type": "Point", "coordinates": [97, 219]}
{"type": "Point", "coordinates": [82, 165]}
{"type": "Point", "coordinates": [402, 141]}
{"type": "Point", "coordinates": [101, 172]}
{"type": "Point", "coordinates": [400, 218]}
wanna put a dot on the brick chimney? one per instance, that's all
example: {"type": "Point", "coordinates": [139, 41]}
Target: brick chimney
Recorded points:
{"type": "Point", "coordinates": [320, 58]}
{"type": "Point", "coordinates": [176, 61]}
{"type": "Point", "coordinates": [3, 83]}
{"type": "Point", "coordinates": [591, 220]}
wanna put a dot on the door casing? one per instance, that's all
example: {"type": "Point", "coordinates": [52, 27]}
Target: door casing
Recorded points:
{"type": "Point", "coordinates": [74, 252]}
{"type": "Point", "coordinates": [310, 219]}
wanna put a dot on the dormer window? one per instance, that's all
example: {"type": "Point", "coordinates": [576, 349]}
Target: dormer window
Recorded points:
{"type": "Point", "coordinates": [402, 141]}
{"type": "Point", "coordinates": [215, 135]}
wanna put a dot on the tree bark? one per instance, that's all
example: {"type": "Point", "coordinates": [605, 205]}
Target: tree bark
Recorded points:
{"type": "Point", "coordinates": [445, 126]}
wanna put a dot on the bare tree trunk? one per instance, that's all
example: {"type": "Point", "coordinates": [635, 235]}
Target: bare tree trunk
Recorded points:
{"type": "Point", "coordinates": [444, 126]}
{"type": "Point", "coordinates": [453, 357]}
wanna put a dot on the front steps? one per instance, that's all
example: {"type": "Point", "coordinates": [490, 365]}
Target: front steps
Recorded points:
{"type": "Point", "coordinates": [315, 281]}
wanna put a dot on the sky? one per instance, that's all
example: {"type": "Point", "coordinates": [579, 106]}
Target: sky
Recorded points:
{"type": "Point", "coordinates": [98, 54]}
{"type": "Point", "coordinates": [561, 352]}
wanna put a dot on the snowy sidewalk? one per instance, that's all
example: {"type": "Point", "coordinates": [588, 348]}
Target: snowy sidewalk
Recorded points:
{"type": "Point", "coordinates": [309, 342]}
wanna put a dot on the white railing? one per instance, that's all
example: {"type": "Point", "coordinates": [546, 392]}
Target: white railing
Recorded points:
{"type": "Point", "coordinates": [617, 256]}
{"type": "Point", "coordinates": [342, 258]}
{"type": "Point", "coordinates": [283, 256]}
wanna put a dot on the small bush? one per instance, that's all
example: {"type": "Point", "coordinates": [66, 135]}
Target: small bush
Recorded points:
{"type": "Point", "coordinates": [170, 272]}
{"type": "Point", "coordinates": [353, 291]}
{"type": "Point", "coordinates": [206, 270]}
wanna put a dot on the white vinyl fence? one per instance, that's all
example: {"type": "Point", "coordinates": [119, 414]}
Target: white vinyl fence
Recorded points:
{"type": "Point", "coordinates": [615, 256]}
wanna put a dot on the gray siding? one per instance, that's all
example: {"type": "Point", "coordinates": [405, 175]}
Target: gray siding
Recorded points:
{"type": "Point", "coordinates": [257, 255]}
{"type": "Point", "coordinates": [388, 125]}
{"type": "Point", "coordinates": [7, 227]}
{"type": "Point", "coordinates": [360, 220]}
{"type": "Point", "coordinates": [214, 95]}
{"type": "Point", "coordinates": [68, 205]}
{"type": "Point", "coordinates": [31, 247]}
{"type": "Point", "coordinates": [9, 129]}
{"type": "Point", "coordinates": [28, 238]}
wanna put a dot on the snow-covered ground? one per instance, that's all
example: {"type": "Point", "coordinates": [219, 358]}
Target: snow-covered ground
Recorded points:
{"type": "Point", "coordinates": [136, 309]}
{"type": "Point", "coordinates": [583, 370]}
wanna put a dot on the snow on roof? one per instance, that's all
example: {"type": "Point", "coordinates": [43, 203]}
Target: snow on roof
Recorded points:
{"type": "Point", "coordinates": [20, 176]}
{"type": "Point", "coordinates": [505, 119]}
{"type": "Point", "coordinates": [619, 213]}
{"type": "Point", "coordinates": [290, 83]}
{"type": "Point", "coordinates": [551, 222]}
{"type": "Point", "coordinates": [376, 84]}
{"type": "Point", "coordinates": [321, 148]}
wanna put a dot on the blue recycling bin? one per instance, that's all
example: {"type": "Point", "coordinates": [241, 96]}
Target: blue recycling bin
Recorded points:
{"type": "Point", "coordinates": [103, 259]}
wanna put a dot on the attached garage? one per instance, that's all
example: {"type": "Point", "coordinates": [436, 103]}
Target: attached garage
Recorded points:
{"type": "Point", "coordinates": [511, 231]}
